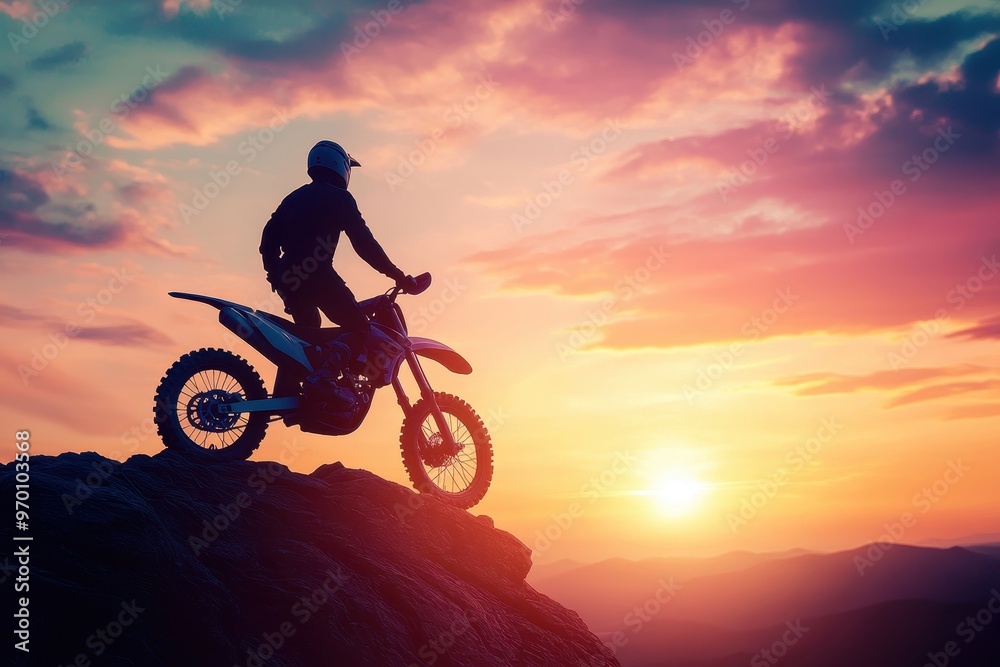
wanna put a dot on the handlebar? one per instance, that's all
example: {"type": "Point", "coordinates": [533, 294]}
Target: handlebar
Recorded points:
{"type": "Point", "coordinates": [423, 282]}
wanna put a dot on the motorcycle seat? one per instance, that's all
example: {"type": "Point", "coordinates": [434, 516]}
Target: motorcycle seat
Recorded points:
{"type": "Point", "coordinates": [314, 335]}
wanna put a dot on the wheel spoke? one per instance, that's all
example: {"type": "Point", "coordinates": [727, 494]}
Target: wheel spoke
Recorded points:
{"type": "Point", "coordinates": [212, 384]}
{"type": "Point", "coordinates": [196, 378]}
{"type": "Point", "coordinates": [455, 473]}
{"type": "Point", "coordinates": [461, 471]}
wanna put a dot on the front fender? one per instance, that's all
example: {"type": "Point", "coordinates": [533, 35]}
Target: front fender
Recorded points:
{"type": "Point", "coordinates": [441, 353]}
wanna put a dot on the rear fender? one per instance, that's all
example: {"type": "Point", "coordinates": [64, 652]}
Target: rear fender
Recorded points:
{"type": "Point", "coordinates": [210, 300]}
{"type": "Point", "coordinates": [275, 343]}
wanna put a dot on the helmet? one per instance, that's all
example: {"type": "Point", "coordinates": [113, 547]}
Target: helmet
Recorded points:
{"type": "Point", "coordinates": [330, 155]}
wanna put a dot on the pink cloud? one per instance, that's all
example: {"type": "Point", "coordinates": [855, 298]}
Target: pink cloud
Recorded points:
{"type": "Point", "coordinates": [813, 212]}
{"type": "Point", "coordinates": [431, 55]}
{"type": "Point", "coordinates": [813, 384]}
{"type": "Point", "coordinates": [988, 328]}
{"type": "Point", "coordinates": [942, 391]}
{"type": "Point", "coordinates": [18, 9]}
{"type": "Point", "coordinates": [41, 211]}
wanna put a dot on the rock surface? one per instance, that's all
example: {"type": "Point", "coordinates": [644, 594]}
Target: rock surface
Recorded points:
{"type": "Point", "coordinates": [169, 560]}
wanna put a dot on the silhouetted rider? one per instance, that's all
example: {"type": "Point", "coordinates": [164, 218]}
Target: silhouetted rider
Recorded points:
{"type": "Point", "coordinates": [299, 241]}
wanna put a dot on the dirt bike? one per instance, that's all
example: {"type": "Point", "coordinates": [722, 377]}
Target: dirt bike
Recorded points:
{"type": "Point", "coordinates": [213, 401]}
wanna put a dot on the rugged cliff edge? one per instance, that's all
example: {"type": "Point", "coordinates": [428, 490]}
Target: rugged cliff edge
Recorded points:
{"type": "Point", "coordinates": [169, 560]}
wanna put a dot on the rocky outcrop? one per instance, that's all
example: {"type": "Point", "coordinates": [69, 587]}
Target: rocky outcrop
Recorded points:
{"type": "Point", "coordinates": [178, 561]}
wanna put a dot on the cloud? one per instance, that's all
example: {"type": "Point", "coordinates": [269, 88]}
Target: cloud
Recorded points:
{"type": "Point", "coordinates": [942, 391]}
{"type": "Point", "coordinates": [600, 61]}
{"type": "Point", "coordinates": [54, 395]}
{"type": "Point", "coordinates": [427, 56]}
{"type": "Point", "coordinates": [135, 334]}
{"type": "Point", "coordinates": [36, 121]}
{"type": "Point", "coordinates": [814, 384]}
{"type": "Point", "coordinates": [266, 31]}
{"type": "Point", "coordinates": [42, 212]}
{"type": "Point", "coordinates": [919, 383]}
{"type": "Point", "coordinates": [19, 317]}
{"type": "Point", "coordinates": [974, 411]}
{"type": "Point", "coordinates": [790, 222]}
{"type": "Point", "coordinates": [18, 9]}
{"type": "Point", "coordinates": [68, 54]}
{"type": "Point", "coordinates": [128, 334]}
{"type": "Point", "coordinates": [21, 199]}
{"type": "Point", "coordinates": [988, 328]}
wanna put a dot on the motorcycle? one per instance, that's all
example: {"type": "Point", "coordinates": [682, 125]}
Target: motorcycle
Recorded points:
{"type": "Point", "coordinates": [212, 400]}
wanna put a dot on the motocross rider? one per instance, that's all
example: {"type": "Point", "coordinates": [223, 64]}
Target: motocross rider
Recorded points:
{"type": "Point", "coordinates": [299, 241]}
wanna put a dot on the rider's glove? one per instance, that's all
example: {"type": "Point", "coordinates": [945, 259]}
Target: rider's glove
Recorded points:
{"type": "Point", "coordinates": [407, 283]}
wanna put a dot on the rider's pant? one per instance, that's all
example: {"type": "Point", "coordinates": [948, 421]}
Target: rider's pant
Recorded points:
{"type": "Point", "coordinates": [326, 291]}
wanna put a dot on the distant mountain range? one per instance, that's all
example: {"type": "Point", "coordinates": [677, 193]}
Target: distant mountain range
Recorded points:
{"type": "Point", "coordinates": [868, 607]}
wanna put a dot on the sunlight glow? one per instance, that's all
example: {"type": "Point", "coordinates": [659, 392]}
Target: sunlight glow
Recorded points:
{"type": "Point", "coordinates": [678, 493]}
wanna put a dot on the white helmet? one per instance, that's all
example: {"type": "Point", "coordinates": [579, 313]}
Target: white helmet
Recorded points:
{"type": "Point", "coordinates": [332, 156]}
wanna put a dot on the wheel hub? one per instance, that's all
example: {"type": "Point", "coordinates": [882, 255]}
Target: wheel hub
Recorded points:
{"type": "Point", "coordinates": [204, 414]}
{"type": "Point", "coordinates": [437, 452]}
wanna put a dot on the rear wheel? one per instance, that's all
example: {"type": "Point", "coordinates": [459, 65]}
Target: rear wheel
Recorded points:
{"type": "Point", "coordinates": [459, 478]}
{"type": "Point", "coordinates": [187, 413]}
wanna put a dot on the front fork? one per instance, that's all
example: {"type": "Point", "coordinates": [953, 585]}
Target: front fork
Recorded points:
{"type": "Point", "coordinates": [426, 393]}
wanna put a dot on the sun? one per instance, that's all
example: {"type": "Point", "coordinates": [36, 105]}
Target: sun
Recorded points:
{"type": "Point", "coordinates": [678, 493]}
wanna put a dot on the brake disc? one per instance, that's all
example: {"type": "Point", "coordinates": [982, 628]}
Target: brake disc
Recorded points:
{"type": "Point", "coordinates": [203, 413]}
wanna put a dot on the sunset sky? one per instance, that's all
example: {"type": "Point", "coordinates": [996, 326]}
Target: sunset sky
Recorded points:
{"type": "Point", "coordinates": [727, 271]}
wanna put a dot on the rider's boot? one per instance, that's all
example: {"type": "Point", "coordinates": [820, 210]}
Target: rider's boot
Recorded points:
{"type": "Point", "coordinates": [321, 386]}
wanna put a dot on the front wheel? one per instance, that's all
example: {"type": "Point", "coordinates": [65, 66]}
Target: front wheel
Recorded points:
{"type": "Point", "coordinates": [187, 413]}
{"type": "Point", "coordinates": [460, 478]}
